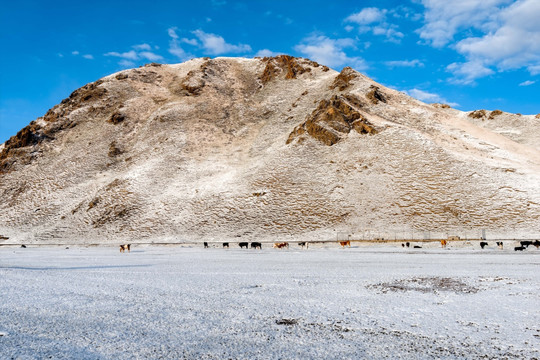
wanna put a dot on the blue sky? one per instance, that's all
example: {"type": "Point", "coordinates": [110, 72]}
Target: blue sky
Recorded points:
{"type": "Point", "coordinates": [471, 54]}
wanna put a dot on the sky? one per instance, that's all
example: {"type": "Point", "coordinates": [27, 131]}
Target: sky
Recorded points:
{"type": "Point", "coordinates": [470, 54]}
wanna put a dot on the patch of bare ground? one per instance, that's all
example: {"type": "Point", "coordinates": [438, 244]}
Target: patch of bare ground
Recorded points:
{"type": "Point", "coordinates": [433, 284]}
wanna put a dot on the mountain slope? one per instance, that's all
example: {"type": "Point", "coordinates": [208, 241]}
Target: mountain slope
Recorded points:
{"type": "Point", "coordinates": [231, 148]}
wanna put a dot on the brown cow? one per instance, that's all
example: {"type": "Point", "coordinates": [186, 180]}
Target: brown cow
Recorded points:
{"type": "Point", "coordinates": [281, 245]}
{"type": "Point", "coordinates": [125, 247]}
{"type": "Point", "coordinates": [345, 243]}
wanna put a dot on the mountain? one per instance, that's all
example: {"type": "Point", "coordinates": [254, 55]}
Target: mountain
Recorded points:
{"type": "Point", "coordinates": [275, 148]}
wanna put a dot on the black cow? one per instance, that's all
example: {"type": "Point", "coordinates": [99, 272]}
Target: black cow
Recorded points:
{"type": "Point", "coordinates": [483, 244]}
{"type": "Point", "coordinates": [519, 248]}
{"type": "Point", "coordinates": [417, 247]}
{"type": "Point", "coordinates": [303, 244]}
{"type": "Point", "coordinates": [243, 245]}
{"type": "Point", "coordinates": [407, 244]}
{"type": "Point", "coordinates": [526, 243]}
{"type": "Point", "coordinates": [205, 245]}
{"type": "Point", "coordinates": [536, 243]}
{"type": "Point", "coordinates": [225, 245]}
{"type": "Point", "coordinates": [256, 245]}
{"type": "Point", "coordinates": [500, 244]}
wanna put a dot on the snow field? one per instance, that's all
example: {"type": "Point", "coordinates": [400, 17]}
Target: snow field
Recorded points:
{"type": "Point", "coordinates": [195, 303]}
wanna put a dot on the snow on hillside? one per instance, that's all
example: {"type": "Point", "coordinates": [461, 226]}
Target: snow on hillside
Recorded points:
{"type": "Point", "coordinates": [280, 147]}
{"type": "Point", "coordinates": [194, 303]}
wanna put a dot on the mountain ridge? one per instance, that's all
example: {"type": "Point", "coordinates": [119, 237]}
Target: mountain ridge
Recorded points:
{"type": "Point", "coordinates": [267, 148]}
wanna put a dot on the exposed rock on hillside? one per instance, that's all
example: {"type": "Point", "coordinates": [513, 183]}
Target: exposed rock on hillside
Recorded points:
{"type": "Point", "coordinates": [273, 148]}
{"type": "Point", "coordinates": [331, 120]}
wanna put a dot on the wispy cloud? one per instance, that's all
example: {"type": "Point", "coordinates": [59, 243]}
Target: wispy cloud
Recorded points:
{"type": "Point", "coordinates": [174, 46]}
{"type": "Point", "coordinates": [131, 55]}
{"type": "Point", "coordinates": [466, 73]}
{"type": "Point", "coordinates": [428, 97]}
{"type": "Point", "coordinates": [216, 45]}
{"type": "Point", "coordinates": [266, 52]}
{"type": "Point", "coordinates": [85, 56]}
{"type": "Point", "coordinates": [404, 63]}
{"type": "Point", "coordinates": [146, 47]}
{"type": "Point", "coordinates": [374, 20]}
{"type": "Point", "coordinates": [330, 52]}
{"type": "Point", "coordinates": [130, 58]}
{"type": "Point", "coordinates": [527, 83]}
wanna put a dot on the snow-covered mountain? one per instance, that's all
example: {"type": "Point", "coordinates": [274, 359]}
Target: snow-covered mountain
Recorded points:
{"type": "Point", "coordinates": [267, 149]}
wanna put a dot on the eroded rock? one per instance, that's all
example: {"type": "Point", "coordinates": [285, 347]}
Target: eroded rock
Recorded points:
{"type": "Point", "coordinates": [331, 120]}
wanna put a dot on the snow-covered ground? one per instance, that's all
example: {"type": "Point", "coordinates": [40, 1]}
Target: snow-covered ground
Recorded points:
{"type": "Point", "coordinates": [181, 302]}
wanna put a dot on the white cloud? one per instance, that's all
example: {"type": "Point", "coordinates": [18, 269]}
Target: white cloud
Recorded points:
{"type": "Point", "coordinates": [516, 41]}
{"type": "Point", "coordinates": [193, 42]}
{"type": "Point", "coordinates": [130, 55]}
{"type": "Point", "coordinates": [534, 69]}
{"type": "Point", "coordinates": [527, 83]}
{"type": "Point", "coordinates": [150, 56]}
{"type": "Point", "coordinates": [443, 18]}
{"type": "Point", "coordinates": [88, 56]}
{"type": "Point", "coordinates": [467, 73]}
{"type": "Point", "coordinates": [75, 52]}
{"type": "Point", "coordinates": [142, 47]}
{"type": "Point", "coordinates": [172, 33]}
{"type": "Point", "coordinates": [367, 16]}
{"type": "Point", "coordinates": [330, 52]}
{"type": "Point", "coordinates": [404, 63]}
{"type": "Point", "coordinates": [374, 20]}
{"type": "Point", "coordinates": [126, 63]}
{"type": "Point", "coordinates": [491, 34]}
{"type": "Point", "coordinates": [174, 46]}
{"type": "Point", "coordinates": [216, 45]}
{"type": "Point", "coordinates": [428, 97]}
{"type": "Point", "coordinates": [266, 52]}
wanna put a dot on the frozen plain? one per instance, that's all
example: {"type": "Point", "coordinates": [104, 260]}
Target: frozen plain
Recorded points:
{"type": "Point", "coordinates": [331, 303]}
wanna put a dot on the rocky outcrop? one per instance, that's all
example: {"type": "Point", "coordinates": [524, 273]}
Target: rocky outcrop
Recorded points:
{"type": "Point", "coordinates": [375, 95]}
{"type": "Point", "coordinates": [344, 79]}
{"type": "Point", "coordinates": [331, 121]}
{"type": "Point", "coordinates": [286, 65]}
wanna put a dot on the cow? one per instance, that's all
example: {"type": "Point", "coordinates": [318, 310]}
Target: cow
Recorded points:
{"type": "Point", "coordinates": [205, 245]}
{"type": "Point", "coordinates": [345, 243]}
{"type": "Point", "coordinates": [303, 244]}
{"type": "Point", "coordinates": [483, 244]}
{"type": "Point", "coordinates": [122, 248]}
{"type": "Point", "coordinates": [226, 245]}
{"type": "Point", "coordinates": [23, 246]}
{"type": "Point", "coordinates": [536, 244]}
{"type": "Point", "coordinates": [256, 245]}
{"type": "Point", "coordinates": [500, 244]}
{"type": "Point", "coordinates": [408, 244]}
{"type": "Point", "coordinates": [443, 243]}
{"type": "Point", "coordinates": [128, 247]}
{"type": "Point", "coordinates": [417, 247]}
{"type": "Point", "coordinates": [281, 245]}
{"type": "Point", "coordinates": [526, 243]}
{"type": "Point", "coordinates": [519, 248]}
{"type": "Point", "coordinates": [243, 245]}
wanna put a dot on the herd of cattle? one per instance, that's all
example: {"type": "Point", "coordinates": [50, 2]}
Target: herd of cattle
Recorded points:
{"type": "Point", "coordinates": [304, 244]}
